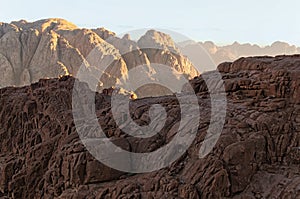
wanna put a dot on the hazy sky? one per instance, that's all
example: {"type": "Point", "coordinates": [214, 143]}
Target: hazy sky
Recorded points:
{"type": "Point", "coordinates": [256, 21]}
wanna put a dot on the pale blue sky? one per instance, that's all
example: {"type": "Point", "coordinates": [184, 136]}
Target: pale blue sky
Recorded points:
{"type": "Point", "coordinates": [256, 21]}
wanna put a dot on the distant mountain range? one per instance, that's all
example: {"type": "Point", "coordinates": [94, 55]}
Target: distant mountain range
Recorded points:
{"type": "Point", "coordinates": [228, 53]}
{"type": "Point", "coordinates": [54, 47]}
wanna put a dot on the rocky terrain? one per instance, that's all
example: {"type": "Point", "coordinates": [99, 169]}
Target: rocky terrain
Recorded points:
{"type": "Point", "coordinates": [219, 54]}
{"type": "Point", "coordinates": [51, 48]}
{"type": "Point", "coordinates": [256, 156]}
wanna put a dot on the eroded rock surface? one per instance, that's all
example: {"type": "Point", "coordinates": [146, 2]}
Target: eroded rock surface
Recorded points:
{"type": "Point", "coordinates": [256, 156]}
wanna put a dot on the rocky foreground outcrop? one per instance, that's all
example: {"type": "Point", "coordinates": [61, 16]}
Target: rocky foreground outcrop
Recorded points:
{"type": "Point", "coordinates": [51, 48]}
{"type": "Point", "coordinates": [256, 156]}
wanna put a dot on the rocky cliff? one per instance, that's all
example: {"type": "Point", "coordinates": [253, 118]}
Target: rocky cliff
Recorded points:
{"type": "Point", "coordinates": [51, 48]}
{"type": "Point", "coordinates": [256, 156]}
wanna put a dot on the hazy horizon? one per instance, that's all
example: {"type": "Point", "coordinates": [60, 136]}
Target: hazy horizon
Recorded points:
{"type": "Point", "coordinates": [175, 37]}
{"type": "Point", "coordinates": [255, 22]}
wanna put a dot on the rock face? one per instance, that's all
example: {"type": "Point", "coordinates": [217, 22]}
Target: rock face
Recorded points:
{"type": "Point", "coordinates": [55, 47]}
{"type": "Point", "coordinates": [160, 48]}
{"type": "Point", "coordinates": [256, 156]}
{"type": "Point", "coordinates": [219, 54]}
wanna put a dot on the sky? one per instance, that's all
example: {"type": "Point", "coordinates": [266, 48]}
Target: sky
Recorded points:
{"type": "Point", "coordinates": [223, 22]}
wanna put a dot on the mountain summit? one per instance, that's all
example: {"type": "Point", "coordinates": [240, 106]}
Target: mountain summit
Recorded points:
{"type": "Point", "coordinates": [51, 48]}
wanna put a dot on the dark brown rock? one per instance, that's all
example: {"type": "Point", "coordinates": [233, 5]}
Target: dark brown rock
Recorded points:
{"type": "Point", "coordinates": [256, 156]}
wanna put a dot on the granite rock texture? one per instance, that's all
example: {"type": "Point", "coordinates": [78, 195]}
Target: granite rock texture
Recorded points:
{"type": "Point", "coordinates": [256, 156]}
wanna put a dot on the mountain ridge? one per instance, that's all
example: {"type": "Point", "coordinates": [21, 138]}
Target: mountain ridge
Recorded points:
{"type": "Point", "coordinates": [234, 51]}
{"type": "Point", "coordinates": [55, 47]}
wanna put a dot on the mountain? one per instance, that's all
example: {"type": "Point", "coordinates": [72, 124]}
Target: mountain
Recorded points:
{"type": "Point", "coordinates": [54, 47]}
{"type": "Point", "coordinates": [197, 51]}
{"type": "Point", "coordinates": [256, 156]}
{"type": "Point", "coordinates": [51, 48]}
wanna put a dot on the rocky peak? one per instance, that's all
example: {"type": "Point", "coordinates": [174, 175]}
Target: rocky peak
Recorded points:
{"type": "Point", "coordinates": [51, 48]}
{"type": "Point", "coordinates": [126, 37]}
{"type": "Point", "coordinates": [45, 25]}
{"type": "Point", "coordinates": [54, 47]}
{"type": "Point", "coordinates": [160, 48]}
{"type": "Point", "coordinates": [156, 39]}
{"type": "Point", "coordinates": [104, 33]}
